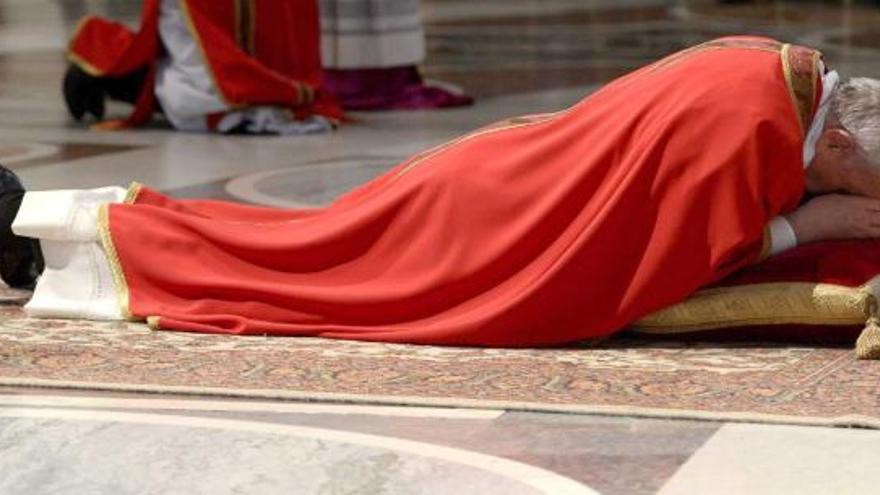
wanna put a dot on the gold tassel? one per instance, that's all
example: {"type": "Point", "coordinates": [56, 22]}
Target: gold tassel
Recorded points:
{"type": "Point", "coordinates": [868, 344]}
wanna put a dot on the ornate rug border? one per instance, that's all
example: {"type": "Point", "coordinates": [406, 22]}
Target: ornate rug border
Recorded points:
{"type": "Point", "coordinates": [844, 421]}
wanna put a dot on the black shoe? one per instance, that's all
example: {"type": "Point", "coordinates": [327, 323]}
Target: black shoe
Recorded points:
{"type": "Point", "coordinates": [126, 88]}
{"type": "Point", "coordinates": [83, 93]}
{"type": "Point", "coordinates": [21, 260]}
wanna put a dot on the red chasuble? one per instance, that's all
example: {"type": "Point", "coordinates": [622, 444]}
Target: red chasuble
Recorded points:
{"type": "Point", "coordinates": [537, 231]}
{"type": "Point", "coordinates": [258, 53]}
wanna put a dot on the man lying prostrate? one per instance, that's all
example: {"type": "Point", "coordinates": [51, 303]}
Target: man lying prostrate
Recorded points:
{"type": "Point", "coordinates": [536, 231]}
{"type": "Point", "coordinates": [206, 66]}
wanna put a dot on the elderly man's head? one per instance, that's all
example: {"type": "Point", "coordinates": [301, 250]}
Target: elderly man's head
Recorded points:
{"type": "Point", "coordinates": [848, 151]}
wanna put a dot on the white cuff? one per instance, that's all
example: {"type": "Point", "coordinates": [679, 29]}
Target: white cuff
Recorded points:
{"type": "Point", "coordinates": [64, 215]}
{"type": "Point", "coordinates": [782, 236]}
{"type": "Point", "coordinates": [77, 283]}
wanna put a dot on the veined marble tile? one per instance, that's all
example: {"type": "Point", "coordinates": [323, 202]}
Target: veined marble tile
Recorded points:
{"type": "Point", "coordinates": [75, 452]}
{"type": "Point", "coordinates": [763, 459]}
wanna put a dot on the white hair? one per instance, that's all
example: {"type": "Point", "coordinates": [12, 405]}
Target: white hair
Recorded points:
{"type": "Point", "coordinates": [856, 107]}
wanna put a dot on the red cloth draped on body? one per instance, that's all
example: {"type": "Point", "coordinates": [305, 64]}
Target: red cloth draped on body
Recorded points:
{"type": "Point", "coordinates": [537, 231]}
{"type": "Point", "coordinates": [259, 53]}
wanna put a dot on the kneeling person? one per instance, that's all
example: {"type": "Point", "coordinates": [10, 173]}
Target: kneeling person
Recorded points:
{"type": "Point", "coordinates": [206, 66]}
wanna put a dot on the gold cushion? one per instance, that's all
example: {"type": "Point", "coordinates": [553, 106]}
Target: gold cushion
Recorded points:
{"type": "Point", "coordinates": [776, 303]}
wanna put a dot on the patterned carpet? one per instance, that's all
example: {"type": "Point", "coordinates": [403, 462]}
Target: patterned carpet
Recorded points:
{"type": "Point", "coordinates": [764, 383]}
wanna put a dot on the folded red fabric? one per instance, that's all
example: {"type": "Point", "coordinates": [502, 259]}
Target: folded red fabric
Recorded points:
{"type": "Point", "coordinates": [850, 263]}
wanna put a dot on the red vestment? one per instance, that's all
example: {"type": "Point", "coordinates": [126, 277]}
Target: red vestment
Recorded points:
{"type": "Point", "coordinates": [536, 231]}
{"type": "Point", "coordinates": [258, 53]}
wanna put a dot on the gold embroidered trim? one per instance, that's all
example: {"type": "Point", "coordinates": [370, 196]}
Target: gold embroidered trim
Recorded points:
{"type": "Point", "coordinates": [119, 282]}
{"type": "Point", "coordinates": [77, 59]}
{"type": "Point", "coordinates": [505, 125]}
{"type": "Point", "coordinates": [245, 25]}
{"type": "Point", "coordinates": [800, 69]}
{"type": "Point", "coordinates": [190, 25]}
{"type": "Point", "coordinates": [766, 244]}
{"type": "Point", "coordinates": [134, 190]}
{"type": "Point", "coordinates": [743, 44]}
{"type": "Point", "coordinates": [252, 28]}
{"type": "Point", "coordinates": [237, 7]}
{"type": "Point", "coordinates": [84, 65]}
{"type": "Point", "coordinates": [106, 239]}
{"type": "Point", "coordinates": [245, 36]}
{"type": "Point", "coordinates": [310, 92]}
{"type": "Point", "coordinates": [153, 323]}
{"type": "Point", "coordinates": [775, 303]}
{"type": "Point", "coordinates": [304, 93]}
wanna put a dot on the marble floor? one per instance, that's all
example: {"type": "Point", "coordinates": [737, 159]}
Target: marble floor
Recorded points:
{"type": "Point", "coordinates": [516, 57]}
